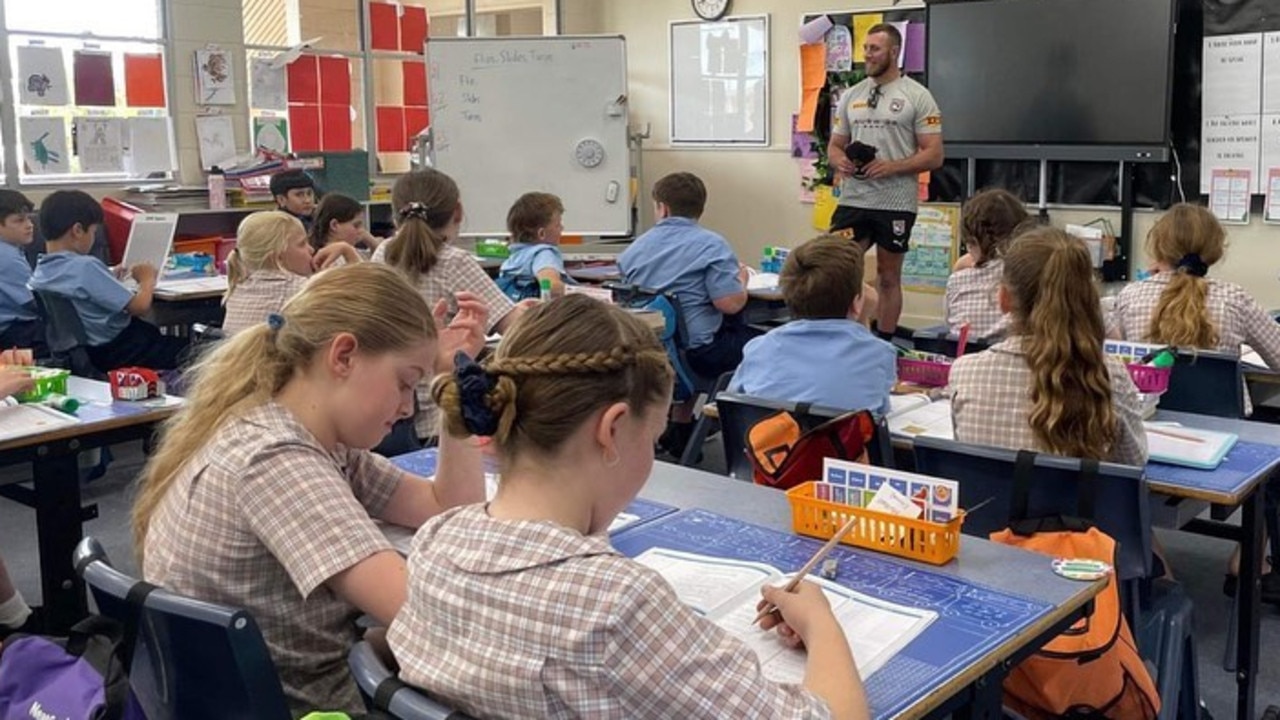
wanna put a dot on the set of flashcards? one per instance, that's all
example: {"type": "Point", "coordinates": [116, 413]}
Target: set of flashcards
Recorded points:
{"type": "Point", "coordinates": [1130, 353]}
{"type": "Point", "coordinates": [888, 490]}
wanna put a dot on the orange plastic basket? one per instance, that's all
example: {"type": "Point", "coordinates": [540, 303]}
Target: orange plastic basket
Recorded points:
{"type": "Point", "coordinates": [923, 372]}
{"type": "Point", "coordinates": [905, 537]}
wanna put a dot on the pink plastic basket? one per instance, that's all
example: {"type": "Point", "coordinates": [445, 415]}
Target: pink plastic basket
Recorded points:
{"type": "Point", "coordinates": [1150, 379]}
{"type": "Point", "coordinates": [923, 372]}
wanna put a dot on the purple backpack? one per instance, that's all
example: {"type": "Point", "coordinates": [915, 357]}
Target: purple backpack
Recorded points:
{"type": "Point", "coordinates": [83, 676]}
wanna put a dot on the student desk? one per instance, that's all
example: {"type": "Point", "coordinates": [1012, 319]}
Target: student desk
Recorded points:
{"type": "Point", "coordinates": [975, 686]}
{"type": "Point", "coordinates": [1227, 486]}
{"type": "Point", "coordinates": [55, 486]}
{"type": "Point", "coordinates": [182, 307]}
{"type": "Point", "coordinates": [594, 274]}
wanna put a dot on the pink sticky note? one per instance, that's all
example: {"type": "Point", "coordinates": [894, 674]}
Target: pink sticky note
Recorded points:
{"type": "Point", "coordinates": [914, 50]}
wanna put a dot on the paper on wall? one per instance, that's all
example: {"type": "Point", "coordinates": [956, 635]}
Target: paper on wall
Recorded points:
{"type": "Point", "coordinates": [267, 85]}
{"type": "Point", "coordinates": [814, 30]}
{"type": "Point", "coordinates": [150, 146]}
{"type": "Point", "coordinates": [42, 76]}
{"type": "Point", "coordinates": [217, 137]}
{"type": "Point", "coordinates": [215, 84]}
{"type": "Point", "coordinates": [44, 145]}
{"type": "Point", "coordinates": [100, 144]}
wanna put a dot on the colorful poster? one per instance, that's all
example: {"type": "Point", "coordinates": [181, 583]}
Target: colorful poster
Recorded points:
{"type": "Point", "coordinates": [95, 81]}
{"type": "Point", "coordinates": [100, 144]}
{"type": "Point", "coordinates": [42, 76]}
{"type": "Point", "coordinates": [934, 242]}
{"type": "Point", "coordinates": [214, 82]}
{"type": "Point", "coordinates": [144, 80]}
{"type": "Point", "coordinates": [44, 145]}
{"type": "Point", "coordinates": [271, 133]}
{"type": "Point", "coordinates": [839, 49]}
{"type": "Point", "coordinates": [1272, 212]}
{"type": "Point", "coordinates": [267, 89]}
{"type": "Point", "coordinates": [1229, 195]}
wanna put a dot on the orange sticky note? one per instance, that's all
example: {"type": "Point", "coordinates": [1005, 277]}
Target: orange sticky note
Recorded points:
{"type": "Point", "coordinates": [813, 75]}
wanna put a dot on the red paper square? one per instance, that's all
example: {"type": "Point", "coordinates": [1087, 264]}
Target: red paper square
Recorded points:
{"type": "Point", "coordinates": [335, 127]}
{"type": "Point", "coordinates": [391, 135]}
{"type": "Point", "coordinates": [415, 120]}
{"type": "Point", "coordinates": [413, 29]}
{"type": "Point", "coordinates": [415, 83]}
{"type": "Point", "coordinates": [335, 81]}
{"type": "Point", "coordinates": [384, 30]}
{"type": "Point", "coordinates": [144, 80]}
{"type": "Point", "coordinates": [304, 128]}
{"type": "Point", "coordinates": [304, 80]}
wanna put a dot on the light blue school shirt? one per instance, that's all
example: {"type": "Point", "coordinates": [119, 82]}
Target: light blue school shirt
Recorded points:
{"type": "Point", "coordinates": [16, 302]}
{"type": "Point", "coordinates": [528, 259]}
{"type": "Point", "coordinates": [98, 297]}
{"type": "Point", "coordinates": [837, 363]}
{"type": "Point", "coordinates": [678, 255]}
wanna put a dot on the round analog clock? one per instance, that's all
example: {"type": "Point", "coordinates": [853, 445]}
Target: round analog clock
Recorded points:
{"type": "Point", "coordinates": [710, 9]}
{"type": "Point", "coordinates": [589, 152]}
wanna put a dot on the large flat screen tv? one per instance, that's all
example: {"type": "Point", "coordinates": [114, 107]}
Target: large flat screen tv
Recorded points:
{"type": "Point", "coordinates": [1090, 78]}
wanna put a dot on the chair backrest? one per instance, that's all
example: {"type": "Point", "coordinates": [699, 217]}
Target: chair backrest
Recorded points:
{"type": "Point", "coordinates": [1208, 383]}
{"type": "Point", "coordinates": [940, 340]}
{"type": "Point", "coordinates": [193, 660]}
{"type": "Point", "coordinates": [738, 412]}
{"type": "Point", "coordinates": [1122, 508]}
{"type": "Point", "coordinates": [675, 335]}
{"type": "Point", "coordinates": [65, 334]}
{"type": "Point", "coordinates": [387, 693]}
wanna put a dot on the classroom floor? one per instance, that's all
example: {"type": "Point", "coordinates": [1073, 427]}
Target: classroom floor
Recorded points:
{"type": "Point", "coordinates": [1199, 563]}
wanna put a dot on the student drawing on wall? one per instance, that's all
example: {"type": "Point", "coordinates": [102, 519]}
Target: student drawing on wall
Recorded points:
{"type": "Point", "coordinates": [43, 154]}
{"type": "Point", "coordinates": [39, 83]}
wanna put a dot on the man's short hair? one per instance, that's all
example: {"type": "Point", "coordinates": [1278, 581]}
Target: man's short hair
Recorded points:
{"type": "Point", "coordinates": [895, 36]}
{"type": "Point", "coordinates": [12, 203]}
{"type": "Point", "coordinates": [683, 193]}
{"type": "Point", "coordinates": [64, 209]}
{"type": "Point", "coordinates": [283, 182]}
{"type": "Point", "coordinates": [821, 278]}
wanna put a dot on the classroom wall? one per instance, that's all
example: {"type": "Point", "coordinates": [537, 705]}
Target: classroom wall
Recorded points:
{"type": "Point", "coordinates": [754, 192]}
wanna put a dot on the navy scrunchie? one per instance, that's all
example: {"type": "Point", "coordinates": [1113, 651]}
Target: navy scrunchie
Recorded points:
{"type": "Point", "coordinates": [474, 386]}
{"type": "Point", "coordinates": [1192, 263]}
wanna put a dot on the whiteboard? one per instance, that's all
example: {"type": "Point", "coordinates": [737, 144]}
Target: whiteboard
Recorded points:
{"type": "Point", "coordinates": [510, 115]}
{"type": "Point", "coordinates": [720, 82]}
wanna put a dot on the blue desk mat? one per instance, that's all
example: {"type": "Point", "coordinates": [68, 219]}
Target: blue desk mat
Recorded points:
{"type": "Point", "coordinates": [972, 620]}
{"type": "Point", "coordinates": [1243, 462]}
{"type": "Point", "coordinates": [423, 462]}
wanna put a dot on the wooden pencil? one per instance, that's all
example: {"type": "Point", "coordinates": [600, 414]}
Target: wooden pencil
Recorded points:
{"type": "Point", "coordinates": [813, 562]}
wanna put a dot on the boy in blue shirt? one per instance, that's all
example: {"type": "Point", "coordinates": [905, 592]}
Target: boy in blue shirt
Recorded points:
{"type": "Point", "coordinates": [20, 323]}
{"type": "Point", "coordinates": [295, 193]}
{"type": "Point", "coordinates": [536, 223]}
{"type": "Point", "coordinates": [108, 309]}
{"type": "Point", "coordinates": [826, 356]}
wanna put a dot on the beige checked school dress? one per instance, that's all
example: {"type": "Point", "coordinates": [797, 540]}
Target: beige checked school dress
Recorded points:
{"type": "Point", "coordinates": [260, 518]}
{"type": "Point", "coordinates": [262, 293]}
{"type": "Point", "coordinates": [971, 298]}
{"type": "Point", "coordinates": [991, 403]}
{"type": "Point", "coordinates": [529, 619]}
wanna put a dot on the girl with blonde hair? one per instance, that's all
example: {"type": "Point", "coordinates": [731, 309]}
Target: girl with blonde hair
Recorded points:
{"type": "Point", "coordinates": [556, 622]}
{"type": "Point", "coordinates": [1048, 386]}
{"type": "Point", "coordinates": [270, 263]}
{"type": "Point", "coordinates": [262, 493]}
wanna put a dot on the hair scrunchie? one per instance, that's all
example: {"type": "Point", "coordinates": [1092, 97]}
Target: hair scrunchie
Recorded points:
{"type": "Point", "coordinates": [275, 321]}
{"type": "Point", "coordinates": [1192, 263]}
{"type": "Point", "coordinates": [415, 210]}
{"type": "Point", "coordinates": [474, 385]}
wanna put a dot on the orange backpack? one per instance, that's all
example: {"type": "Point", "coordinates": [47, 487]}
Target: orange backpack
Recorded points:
{"type": "Point", "coordinates": [1093, 670]}
{"type": "Point", "coordinates": [784, 455]}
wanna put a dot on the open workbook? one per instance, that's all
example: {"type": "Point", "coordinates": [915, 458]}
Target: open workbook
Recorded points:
{"type": "Point", "coordinates": [916, 415]}
{"type": "Point", "coordinates": [726, 592]}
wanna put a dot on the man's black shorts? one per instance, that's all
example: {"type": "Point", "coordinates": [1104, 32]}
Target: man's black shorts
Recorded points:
{"type": "Point", "coordinates": [888, 229]}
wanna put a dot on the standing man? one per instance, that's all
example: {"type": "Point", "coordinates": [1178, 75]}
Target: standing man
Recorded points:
{"type": "Point", "coordinates": [898, 118]}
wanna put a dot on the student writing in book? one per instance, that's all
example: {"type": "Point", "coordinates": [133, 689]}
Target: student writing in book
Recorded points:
{"type": "Point", "coordinates": [109, 310]}
{"type": "Point", "coordinates": [20, 322]}
{"type": "Point", "coordinates": [989, 221]}
{"type": "Point", "coordinates": [270, 263]}
{"type": "Point", "coordinates": [428, 210]}
{"type": "Point", "coordinates": [295, 193]}
{"type": "Point", "coordinates": [1048, 386]}
{"type": "Point", "coordinates": [536, 223]}
{"type": "Point", "coordinates": [824, 356]}
{"type": "Point", "coordinates": [521, 607]}
{"type": "Point", "coordinates": [340, 219]}
{"type": "Point", "coordinates": [262, 493]}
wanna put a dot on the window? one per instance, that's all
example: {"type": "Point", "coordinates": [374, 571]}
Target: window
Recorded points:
{"type": "Point", "coordinates": [372, 47]}
{"type": "Point", "coordinates": [90, 88]}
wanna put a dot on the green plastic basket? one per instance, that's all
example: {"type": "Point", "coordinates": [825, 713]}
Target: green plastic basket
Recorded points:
{"type": "Point", "coordinates": [49, 381]}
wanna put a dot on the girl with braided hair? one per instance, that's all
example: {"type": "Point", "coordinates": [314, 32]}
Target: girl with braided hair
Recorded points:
{"type": "Point", "coordinates": [521, 607]}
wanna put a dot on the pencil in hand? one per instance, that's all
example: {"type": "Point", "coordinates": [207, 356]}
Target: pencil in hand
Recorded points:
{"type": "Point", "coordinates": [770, 608]}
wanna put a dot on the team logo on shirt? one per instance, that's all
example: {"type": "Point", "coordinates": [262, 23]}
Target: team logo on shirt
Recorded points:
{"type": "Point", "coordinates": [896, 105]}
{"type": "Point", "coordinates": [899, 227]}
{"type": "Point", "coordinates": [933, 120]}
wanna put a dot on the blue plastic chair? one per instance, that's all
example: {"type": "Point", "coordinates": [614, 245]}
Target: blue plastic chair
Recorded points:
{"type": "Point", "coordinates": [384, 692]}
{"type": "Point", "coordinates": [193, 660]}
{"type": "Point", "coordinates": [1207, 383]}
{"type": "Point", "coordinates": [940, 340]}
{"type": "Point", "coordinates": [674, 336]}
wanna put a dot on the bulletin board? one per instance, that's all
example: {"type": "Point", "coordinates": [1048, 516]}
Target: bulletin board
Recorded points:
{"type": "Point", "coordinates": [935, 242]}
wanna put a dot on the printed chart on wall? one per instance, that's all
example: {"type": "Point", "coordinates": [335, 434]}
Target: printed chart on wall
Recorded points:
{"type": "Point", "coordinates": [933, 249]}
{"type": "Point", "coordinates": [1240, 107]}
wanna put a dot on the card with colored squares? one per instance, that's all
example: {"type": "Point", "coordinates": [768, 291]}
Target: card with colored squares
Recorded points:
{"type": "Point", "coordinates": [855, 484]}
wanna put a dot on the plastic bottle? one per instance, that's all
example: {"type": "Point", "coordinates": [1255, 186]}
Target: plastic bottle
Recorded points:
{"type": "Point", "coordinates": [65, 403]}
{"type": "Point", "coordinates": [544, 289]}
{"type": "Point", "coordinates": [1164, 359]}
{"type": "Point", "coordinates": [217, 189]}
